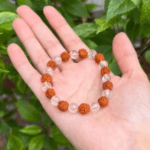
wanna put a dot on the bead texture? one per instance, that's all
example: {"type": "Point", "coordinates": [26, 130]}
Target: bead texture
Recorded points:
{"type": "Point", "coordinates": [49, 70]}
{"type": "Point", "coordinates": [74, 54]}
{"type": "Point", "coordinates": [46, 78]}
{"type": "Point", "coordinates": [95, 106]}
{"type": "Point", "coordinates": [105, 70]}
{"type": "Point", "coordinates": [55, 100]}
{"type": "Point", "coordinates": [103, 63]}
{"type": "Point", "coordinates": [50, 93]}
{"type": "Point", "coordinates": [91, 54]}
{"type": "Point", "coordinates": [73, 108]}
{"type": "Point", "coordinates": [103, 101]}
{"type": "Point", "coordinates": [106, 77]}
{"type": "Point", "coordinates": [107, 85]}
{"type": "Point", "coordinates": [99, 57]}
{"type": "Point", "coordinates": [84, 108]}
{"type": "Point", "coordinates": [52, 64]}
{"type": "Point", "coordinates": [63, 105]}
{"type": "Point", "coordinates": [65, 56]}
{"type": "Point", "coordinates": [58, 60]}
{"type": "Point", "coordinates": [46, 85]}
{"type": "Point", "coordinates": [107, 93]}
{"type": "Point", "coordinates": [83, 53]}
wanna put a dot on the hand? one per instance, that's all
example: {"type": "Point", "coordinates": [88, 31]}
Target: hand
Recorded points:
{"type": "Point", "coordinates": [113, 127]}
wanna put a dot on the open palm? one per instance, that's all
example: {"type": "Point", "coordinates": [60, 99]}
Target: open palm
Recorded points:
{"type": "Point", "coordinates": [112, 127]}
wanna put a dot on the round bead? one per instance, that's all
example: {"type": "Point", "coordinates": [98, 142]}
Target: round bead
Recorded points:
{"type": "Point", "coordinates": [46, 86]}
{"type": "Point", "coordinates": [63, 105]}
{"type": "Point", "coordinates": [103, 101]}
{"type": "Point", "coordinates": [74, 54]}
{"type": "Point", "coordinates": [55, 100]}
{"type": "Point", "coordinates": [49, 70]}
{"type": "Point", "coordinates": [83, 53]}
{"type": "Point", "coordinates": [46, 78]}
{"type": "Point", "coordinates": [107, 85]}
{"type": "Point", "coordinates": [73, 108]}
{"type": "Point", "coordinates": [103, 63]}
{"type": "Point", "coordinates": [99, 57]}
{"type": "Point", "coordinates": [50, 93]}
{"type": "Point", "coordinates": [106, 77]}
{"type": "Point", "coordinates": [95, 106]}
{"type": "Point", "coordinates": [52, 64]}
{"type": "Point", "coordinates": [107, 93]}
{"type": "Point", "coordinates": [65, 56]}
{"type": "Point", "coordinates": [84, 108]}
{"type": "Point", "coordinates": [91, 54]}
{"type": "Point", "coordinates": [105, 70]}
{"type": "Point", "coordinates": [58, 60]}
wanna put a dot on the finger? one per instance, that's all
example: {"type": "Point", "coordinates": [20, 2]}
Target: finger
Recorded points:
{"type": "Point", "coordinates": [126, 55]}
{"type": "Point", "coordinates": [31, 44]}
{"type": "Point", "coordinates": [69, 38]}
{"type": "Point", "coordinates": [47, 39]}
{"type": "Point", "coordinates": [24, 68]}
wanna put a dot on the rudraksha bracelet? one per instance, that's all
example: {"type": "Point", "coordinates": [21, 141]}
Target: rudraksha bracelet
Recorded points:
{"type": "Point", "coordinates": [83, 108]}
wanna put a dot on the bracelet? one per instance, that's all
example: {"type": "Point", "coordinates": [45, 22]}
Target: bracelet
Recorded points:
{"type": "Point", "coordinates": [83, 108]}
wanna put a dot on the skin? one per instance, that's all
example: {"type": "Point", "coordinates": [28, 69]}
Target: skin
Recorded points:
{"type": "Point", "coordinates": [124, 123]}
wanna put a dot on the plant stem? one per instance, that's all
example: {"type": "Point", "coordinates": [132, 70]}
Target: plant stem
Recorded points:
{"type": "Point", "coordinates": [143, 49]}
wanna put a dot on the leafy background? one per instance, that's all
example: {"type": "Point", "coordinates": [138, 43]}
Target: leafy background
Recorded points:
{"type": "Point", "coordinates": [22, 125]}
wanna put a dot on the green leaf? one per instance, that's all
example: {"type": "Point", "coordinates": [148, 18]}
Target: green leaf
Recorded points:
{"type": "Point", "coordinates": [46, 120]}
{"type": "Point", "coordinates": [138, 3]}
{"type": "Point", "coordinates": [90, 7]}
{"type": "Point", "coordinates": [86, 30]}
{"type": "Point", "coordinates": [58, 136]}
{"type": "Point", "coordinates": [28, 112]}
{"type": "Point", "coordinates": [103, 25]}
{"type": "Point", "coordinates": [147, 57]}
{"type": "Point", "coordinates": [31, 130]}
{"type": "Point", "coordinates": [3, 49]}
{"type": "Point", "coordinates": [145, 12]}
{"type": "Point", "coordinates": [133, 30]}
{"type": "Point", "coordinates": [114, 67]}
{"type": "Point", "coordinates": [136, 15]}
{"type": "Point", "coordinates": [25, 2]}
{"type": "Point", "coordinates": [6, 19]}
{"type": "Point", "coordinates": [75, 7]}
{"type": "Point", "coordinates": [4, 128]}
{"type": "Point", "coordinates": [2, 113]}
{"type": "Point", "coordinates": [36, 143]}
{"type": "Point", "coordinates": [106, 5]}
{"type": "Point", "coordinates": [148, 75]}
{"type": "Point", "coordinates": [50, 144]}
{"type": "Point", "coordinates": [14, 143]}
{"type": "Point", "coordinates": [2, 67]}
{"type": "Point", "coordinates": [118, 7]}
{"type": "Point", "coordinates": [145, 30]}
{"type": "Point", "coordinates": [7, 6]}
{"type": "Point", "coordinates": [90, 43]}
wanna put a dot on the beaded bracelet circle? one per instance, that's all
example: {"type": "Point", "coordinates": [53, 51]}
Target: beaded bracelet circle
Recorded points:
{"type": "Point", "coordinates": [83, 108]}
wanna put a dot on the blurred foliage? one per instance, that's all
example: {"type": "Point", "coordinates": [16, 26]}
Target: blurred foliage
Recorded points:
{"type": "Point", "coordinates": [27, 127]}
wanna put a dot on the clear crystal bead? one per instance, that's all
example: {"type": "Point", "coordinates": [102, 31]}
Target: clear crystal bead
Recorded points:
{"type": "Point", "coordinates": [107, 93]}
{"type": "Point", "coordinates": [103, 63]}
{"type": "Point", "coordinates": [58, 60]}
{"type": "Point", "coordinates": [55, 100]}
{"type": "Point", "coordinates": [46, 85]}
{"type": "Point", "coordinates": [49, 70]}
{"type": "Point", "coordinates": [95, 106]}
{"type": "Point", "coordinates": [106, 77]}
{"type": "Point", "coordinates": [74, 54]}
{"type": "Point", "coordinates": [91, 54]}
{"type": "Point", "coordinates": [73, 108]}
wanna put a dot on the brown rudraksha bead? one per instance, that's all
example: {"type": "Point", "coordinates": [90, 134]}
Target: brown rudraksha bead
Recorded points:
{"type": "Point", "coordinates": [105, 70]}
{"type": "Point", "coordinates": [50, 93]}
{"type": "Point", "coordinates": [107, 85]}
{"type": "Point", "coordinates": [52, 64]}
{"type": "Point", "coordinates": [82, 53]}
{"type": "Point", "coordinates": [63, 105]}
{"type": "Point", "coordinates": [84, 108]}
{"type": "Point", "coordinates": [99, 57]}
{"type": "Point", "coordinates": [65, 56]}
{"type": "Point", "coordinates": [46, 78]}
{"type": "Point", "coordinates": [103, 101]}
